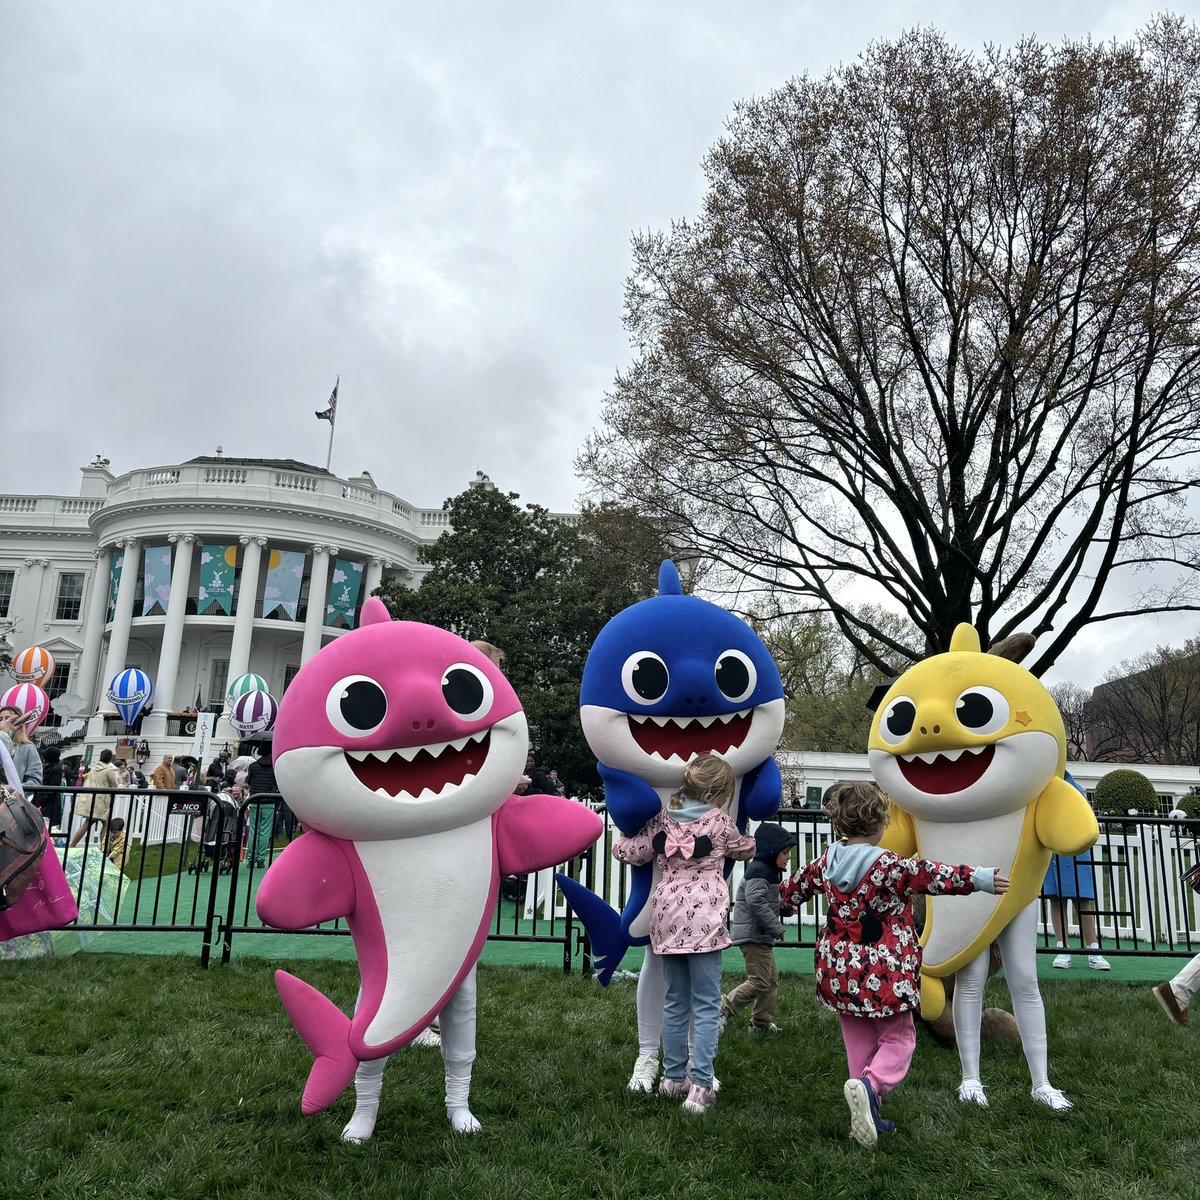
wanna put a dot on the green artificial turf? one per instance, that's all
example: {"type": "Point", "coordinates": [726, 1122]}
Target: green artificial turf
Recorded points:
{"type": "Point", "coordinates": [135, 1076]}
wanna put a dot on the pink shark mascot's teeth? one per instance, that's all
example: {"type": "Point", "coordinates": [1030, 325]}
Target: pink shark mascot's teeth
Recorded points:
{"type": "Point", "coordinates": [398, 746]}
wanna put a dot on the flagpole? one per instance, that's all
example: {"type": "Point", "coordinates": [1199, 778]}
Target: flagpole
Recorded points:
{"type": "Point", "coordinates": [332, 424]}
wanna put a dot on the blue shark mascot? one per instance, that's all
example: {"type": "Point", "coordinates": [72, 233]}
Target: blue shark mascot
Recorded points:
{"type": "Point", "coordinates": [669, 678]}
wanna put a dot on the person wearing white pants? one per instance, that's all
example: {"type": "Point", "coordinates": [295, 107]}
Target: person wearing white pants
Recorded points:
{"type": "Point", "coordinates": [1176, 994]}
{"type": "Point", "coordinates": [457, 1019]}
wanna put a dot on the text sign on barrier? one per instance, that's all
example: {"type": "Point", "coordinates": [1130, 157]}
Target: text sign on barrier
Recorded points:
{"type": "Point", "coordinates": [204, 733]}
{"type": "Point", "coordinates": [181, 806]}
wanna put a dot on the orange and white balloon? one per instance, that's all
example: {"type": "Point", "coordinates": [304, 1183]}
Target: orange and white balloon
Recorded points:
{"type": "Point", "coordinates": [28, 698]}
{"type": "Point", "coordinates": [34, 664]}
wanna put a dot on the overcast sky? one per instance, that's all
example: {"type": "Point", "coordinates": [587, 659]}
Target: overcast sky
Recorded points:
{"type": "Point", "coordinates": [210, 209]}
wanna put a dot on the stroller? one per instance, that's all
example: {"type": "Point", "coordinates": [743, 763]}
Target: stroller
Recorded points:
{"type": "Point", "coordinates": [219, 837]}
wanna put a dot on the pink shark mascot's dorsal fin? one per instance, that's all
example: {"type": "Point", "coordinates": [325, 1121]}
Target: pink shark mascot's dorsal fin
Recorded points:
{"type": "Point", "coordinates": [374, 611]}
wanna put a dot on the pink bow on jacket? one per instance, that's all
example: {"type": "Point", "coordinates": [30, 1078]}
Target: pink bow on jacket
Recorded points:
{"type": "Point", "coordinates": [679, 841]}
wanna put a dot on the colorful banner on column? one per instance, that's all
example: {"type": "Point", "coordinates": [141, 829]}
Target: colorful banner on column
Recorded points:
{"type": "Point", "coordinates": [114, 582]}
{"type": "Point", "coordinates": [156, 574]}
{"type": "Point", "coordinates": [215, 586]}
{"type": "Point", "coordinates": [344, 589]}
{"type": "Point", "coordinates": [285, 573]}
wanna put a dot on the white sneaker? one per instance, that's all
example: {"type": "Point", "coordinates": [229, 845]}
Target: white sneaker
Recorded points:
{"type": "Point", "coordinates": [1097, 961]}
{"type": "Point", "coordinates": [1062, 961]}
{"type": "Point", "coordinates": [1051, 1097]}
{"type": "Point", "coordinates": [970, 1091]}
{"type": "Point", "coordinates": [645, 1073]}
{"type": "Point", "coordinates": [428, 1038]}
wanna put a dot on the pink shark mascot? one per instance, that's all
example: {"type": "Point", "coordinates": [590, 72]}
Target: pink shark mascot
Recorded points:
{"type": "Point", "coordinates": [398, 746]}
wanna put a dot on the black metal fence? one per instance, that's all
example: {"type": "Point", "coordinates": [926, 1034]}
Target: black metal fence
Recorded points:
{"type": "Point", "coordinates": [190, 862]}
{"type": "Point", "coordinates": [1132, 886]}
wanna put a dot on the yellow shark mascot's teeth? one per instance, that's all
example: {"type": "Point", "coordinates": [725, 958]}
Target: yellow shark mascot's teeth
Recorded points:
{"type": "Point", "coordinates": [971, 750]}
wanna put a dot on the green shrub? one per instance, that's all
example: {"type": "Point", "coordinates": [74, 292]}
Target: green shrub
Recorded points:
{"type": "Point", "coordinates": [1189, 805]}
{"type": "Point", "coordinates": [1119, 791]}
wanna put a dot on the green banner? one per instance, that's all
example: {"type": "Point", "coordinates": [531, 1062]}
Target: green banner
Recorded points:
{"type": "Point", "coordinates": [114, 582]}
{"type": "Point", "coordinates": [285, 573]}
{"type": "Point", "coordinates": [344, 589]}
{"type": "Point", "coordinates": [156, 574]}
{"type": "Point", "coordinates": [214, 588]}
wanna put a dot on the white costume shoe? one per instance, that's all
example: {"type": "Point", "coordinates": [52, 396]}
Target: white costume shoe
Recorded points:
{"type": "Point", "coordinates": [1051, 1097]}
{"type": "Point", "coordinates": [970, 1091]}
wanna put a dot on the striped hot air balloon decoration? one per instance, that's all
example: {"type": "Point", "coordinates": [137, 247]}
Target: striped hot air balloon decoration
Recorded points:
{"type": "Point", "coordinates": [34, 664]}
{"type": "Point", "coordinates": [243, 685]}
{"type": "Point", "coordinates": [130, 692]}
{"type": "Point", "coordinates": [253, 712]}
{"type": "Point", "coordinates": [29, 698]}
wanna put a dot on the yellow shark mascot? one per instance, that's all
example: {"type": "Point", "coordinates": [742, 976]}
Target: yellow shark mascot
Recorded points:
{"type": "Point", "coordinates": [971, 750]}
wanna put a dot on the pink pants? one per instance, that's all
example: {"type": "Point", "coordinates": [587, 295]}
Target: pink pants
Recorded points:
{"type": "Point", "coordinates": [881, 1048]}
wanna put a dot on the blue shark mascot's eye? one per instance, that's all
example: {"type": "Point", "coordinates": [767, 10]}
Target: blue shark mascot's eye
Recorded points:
{"type": "Point", "coordinates": [669, 678]}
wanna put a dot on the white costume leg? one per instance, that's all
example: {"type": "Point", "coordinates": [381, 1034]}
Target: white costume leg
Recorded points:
{"type": "Point", "coordinates": [457, 1021]}
{"type": "Point", "coordinates": [1018, 951]}
{"type": "Point", "coordinates": [368, 1083]}
{"type": "Point", "coordinates": [651, 998]}
{"type": "Point", "coordinates": [1187, 983]}
{"type": "Point", "coordinates": [968, 1015]}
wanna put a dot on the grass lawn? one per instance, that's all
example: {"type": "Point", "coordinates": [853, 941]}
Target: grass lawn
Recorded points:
{"type": "Point", "coordinates": [133, 1076]}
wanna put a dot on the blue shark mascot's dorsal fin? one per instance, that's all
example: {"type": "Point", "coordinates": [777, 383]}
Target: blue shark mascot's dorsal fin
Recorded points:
{"type": "Point", "coordinates": [668, 580]}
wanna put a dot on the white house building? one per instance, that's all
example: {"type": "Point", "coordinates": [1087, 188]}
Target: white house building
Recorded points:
{"type": "Point", "coordinates": [196, 573]}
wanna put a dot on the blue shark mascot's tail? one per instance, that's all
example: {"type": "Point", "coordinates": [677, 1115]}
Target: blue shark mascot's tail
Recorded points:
{"type": "Point", "coordinates": [666, 679]}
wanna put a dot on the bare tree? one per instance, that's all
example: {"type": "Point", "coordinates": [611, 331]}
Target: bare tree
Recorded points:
{"type": "Point", "coordinates": [1148, 709]}
{"type": "Point", "coordinates": [1072, 703]}
{"type": "Point", "coordinates": [934, 340]}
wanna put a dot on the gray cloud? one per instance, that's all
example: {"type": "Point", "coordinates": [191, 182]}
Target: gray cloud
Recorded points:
{"type": "Point", "coordinates": [210, 210]}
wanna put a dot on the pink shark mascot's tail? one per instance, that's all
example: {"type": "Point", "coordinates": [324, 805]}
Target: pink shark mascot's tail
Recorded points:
{"type": "Point", "coordinates": [326, 1032]}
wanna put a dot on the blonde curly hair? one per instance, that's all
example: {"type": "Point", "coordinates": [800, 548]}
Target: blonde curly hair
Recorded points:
{"type": "Point", "coordinates": [706, 779]}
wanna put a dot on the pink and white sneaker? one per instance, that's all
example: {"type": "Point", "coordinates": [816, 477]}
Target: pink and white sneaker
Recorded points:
{"type": "Point", "coordinates": [700, 1099]}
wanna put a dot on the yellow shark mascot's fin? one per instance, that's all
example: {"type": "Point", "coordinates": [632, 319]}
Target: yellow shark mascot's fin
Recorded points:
{"type": "Point", "coordinates": [1065, 822]}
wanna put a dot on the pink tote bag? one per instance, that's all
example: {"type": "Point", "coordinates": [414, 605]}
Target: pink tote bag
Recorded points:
{"type": "Point", "coordinates": [47, 902]}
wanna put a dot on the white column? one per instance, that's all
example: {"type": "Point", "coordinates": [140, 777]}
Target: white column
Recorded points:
{"type": "Point", "coordinates": [118, 640]}
{"type": "Point", "coordinates": [243, 621]}
{"type": "Point", "coordinates": [318, 585]}
{"type": "Point", "coordinates": [93, 629]}
{"type": "Point", "coordinates": [374, 577]}
{"type": "Point", "coordinates": [168, 659]}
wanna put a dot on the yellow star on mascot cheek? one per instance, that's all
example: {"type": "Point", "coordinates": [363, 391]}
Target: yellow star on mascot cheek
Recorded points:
{"type": "Point", "coordinates": [971, 750]}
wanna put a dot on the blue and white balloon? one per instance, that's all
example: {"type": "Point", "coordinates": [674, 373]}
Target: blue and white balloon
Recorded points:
{"type": "Point", "coordinates": [130, 692]}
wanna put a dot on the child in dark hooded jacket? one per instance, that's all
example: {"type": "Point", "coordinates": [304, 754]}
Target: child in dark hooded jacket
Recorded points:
{"type": "Point", "coordinates": [757, 927]}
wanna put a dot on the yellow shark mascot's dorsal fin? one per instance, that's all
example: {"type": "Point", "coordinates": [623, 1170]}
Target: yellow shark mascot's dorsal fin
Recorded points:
{"type": "Point", "coordinates": [965, 637]}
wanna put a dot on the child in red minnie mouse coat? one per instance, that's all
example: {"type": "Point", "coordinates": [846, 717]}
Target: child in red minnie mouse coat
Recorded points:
{"type": "Point", "coordinates": [868, 960]}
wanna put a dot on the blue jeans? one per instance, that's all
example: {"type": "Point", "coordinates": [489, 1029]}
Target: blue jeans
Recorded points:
{"type": "Point", "coordinates": [693, 999]}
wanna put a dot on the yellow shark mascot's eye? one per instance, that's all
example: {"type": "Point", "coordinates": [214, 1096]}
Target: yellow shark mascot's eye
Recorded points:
{"type": "Point", "coordinates": [970, 748]}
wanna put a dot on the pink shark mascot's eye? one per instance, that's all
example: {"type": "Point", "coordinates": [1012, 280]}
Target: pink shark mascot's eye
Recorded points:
{"type": "Point", "coordinates": [398, 747]}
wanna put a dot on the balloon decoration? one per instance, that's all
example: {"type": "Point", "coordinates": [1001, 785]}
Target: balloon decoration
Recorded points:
{"type": "Point", "coordinates": [243, 685]}
{"type": "Point", "coordinates": [29, 698]}
{"type": "Point", "coordinates": [253, 712]}
{"type": "Point", "coordinates": [34, 664]}
{"type": "Point", "coordinates": [130, 692]}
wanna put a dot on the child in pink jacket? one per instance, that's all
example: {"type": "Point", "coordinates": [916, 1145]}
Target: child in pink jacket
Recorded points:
{"type": "Point", "coordinates": [688, 914]}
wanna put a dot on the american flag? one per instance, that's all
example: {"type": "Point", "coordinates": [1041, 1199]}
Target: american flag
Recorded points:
{"type": "Point", "coordinates": [331, 411]}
